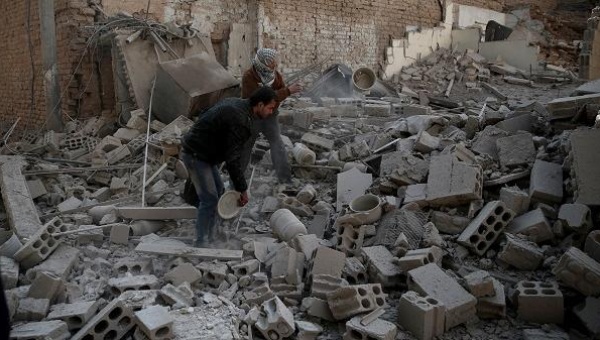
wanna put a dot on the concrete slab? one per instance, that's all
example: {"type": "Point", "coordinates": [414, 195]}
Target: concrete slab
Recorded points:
{"type": "Point", "coordinates": [432, 281]}
{"type": "Point", "coordinates": [523, 122]}
{"type": "Point", "coordinates": [591, 87]}
{"type": "Point", "coordinates": [452, 182]}
{"type": "Point", "coordinates": [466, 39]}
{"type": "Point", "coordinates": [516, 150]}
{"type": "Point", "coordinates": [517, 53]}
{"type": "Point", "coordinates": [586, 153]}
{"type": "Point", "coordinates": [350, 185]}
{"type": "Point", "coordinates": [55, 330]}
{"type": "Point", "coordinates": [20, 209]}
{"type": "Point", "coordinates": [546, 183]}
{"type": "Point", "coordinates": [568, 107]}
{"type": "Point", "coordinates": [532, 224]}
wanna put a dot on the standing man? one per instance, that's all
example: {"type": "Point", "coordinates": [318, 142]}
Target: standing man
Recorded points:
{"type": "Point", "coordinates": [218, 136]}
{"type": "Point", "coordinates": [263, 73]}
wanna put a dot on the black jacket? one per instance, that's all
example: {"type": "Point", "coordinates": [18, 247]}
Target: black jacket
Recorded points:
{"type": "Point", "coordinates": [219, 135]}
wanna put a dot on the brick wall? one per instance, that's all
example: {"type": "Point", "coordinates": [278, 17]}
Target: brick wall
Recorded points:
{"type": "Point", "coordinates": [349, 31]}
{"type": "Point", "coordinates": [546, 5]}
{"type": "Point", "coordinates": [20, 77]}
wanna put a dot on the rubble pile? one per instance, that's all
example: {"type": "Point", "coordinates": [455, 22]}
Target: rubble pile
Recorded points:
{"type": "Point", "coordinates": [403, 217]}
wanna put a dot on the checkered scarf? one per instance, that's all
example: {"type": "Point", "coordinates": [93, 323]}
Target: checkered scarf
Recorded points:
{"type": "Point", "coordinates": [264, 57]}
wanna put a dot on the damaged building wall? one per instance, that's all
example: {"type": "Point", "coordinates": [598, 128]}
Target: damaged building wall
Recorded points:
{"type": "Point", "coordinates": [23, 94]}
{"type": "Point", "coordinates": [546, 5]}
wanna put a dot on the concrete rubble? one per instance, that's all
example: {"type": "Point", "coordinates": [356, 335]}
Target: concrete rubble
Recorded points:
{"type": "Point", "coordinates": [485, 219]}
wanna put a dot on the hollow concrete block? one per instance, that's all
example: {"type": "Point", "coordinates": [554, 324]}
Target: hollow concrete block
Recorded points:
{"type": "Point", "coordinates": [351, 300]}
{"type": "Point", "coordinates": [493, 307]}
{"type": "Point", "coordinates": [520, 253]}
{"type": "Point", "coordinates": [579, 271]}
{"type": "Point", "coordinates": [381, 266]}
{"type": "Point", "coordinates": [276, 320]}
{"type": "Point", "coordinates": [592, 245]}
{"type": "Point", "coordinates": [485, 228]}
{"type": "Point", "coordinates": [75, 314]}
{"type": "Point", "coordinates": [540, 302]}
{"type": "Point", "coordinates": [424, 317]}
{"type": "Point", "coordinates": [378, 329]}
{"type": "Point", "coordinates": [55, 330]}
{"type": "Point", "coordinates": [155, 322]}
{"type": "Point", "coordinates": [185, 272]}
{"type": "Point", "coordinates": [112, 322]}
{"type": "Point", "coordinates": [534, 225]}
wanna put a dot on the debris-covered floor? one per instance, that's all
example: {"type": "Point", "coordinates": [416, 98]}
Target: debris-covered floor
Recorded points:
{"type": "Point", "coordinates": [458, 203]}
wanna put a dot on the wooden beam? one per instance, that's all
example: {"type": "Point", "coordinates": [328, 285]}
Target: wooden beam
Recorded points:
{"type": "Point", "coordinates": [200, 253]}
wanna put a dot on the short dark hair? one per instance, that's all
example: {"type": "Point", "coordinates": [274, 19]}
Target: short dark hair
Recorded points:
{"type": "Point", "coordinates": [263, 95]}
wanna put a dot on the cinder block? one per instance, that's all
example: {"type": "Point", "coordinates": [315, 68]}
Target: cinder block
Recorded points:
{"type": "Point", "coordinates": [308, 330]}
{"type": "Point", "coordinates": [377, 110]}
{"type": "Point", "coordinates": [415, 110]}
{"type": "Point", "coordinates": [302, 118]}
{"type": "Point", "coordinates": [36, 188]}
{"type": "Point", "coordinates": [592, 245]}
{"type": "Point", "coordinates": [485, 228]}
{"type": "Point", "coordinates": [317, 307]}
{"type": "Point", "coordinates": [540, 302]}
{"type": "Point", "coordinates": [213, 273]}
{"type": "Point", "coordinates": [324, 284]}
{"type": "Point", "coordinates": [31, 309]}
{"type": "Point", "coordinates": [286, 262]}
{"type": "Point", "coordinates": [534, 225]}
{"type": "Point", "coordinates": [306, 244]}
{"type": "Point", "coordinates": [69, 204]}
{"type": "Point", "coordinates": [41, 244]}
{"type": "Point", "coordinates": [449, 224]}
{"type": "Point", "coordinates": [576, 217]}
{"type": "Point", "coordinates": [588, 313]}
{"type": "Point", "coordinates": [55, 330]}
{"type": "Point", "coordinates": [139, 282]}
{"type": "Point", "coordinates": [516, 150]}
{"type": "Point", "coordinates": [59, 263]}
{"type": "Point", "coordinates": [112, 322]}
{"type": "Point", "coordinates": [520, 253]}
{"type": "Point", "coordinates": [493, 307]}
{"type": "Point", "coordinates": [185, 272]}
{"type": "Point", "coordinates": [108, 144]}
{"type": "Point", "coordinates": [432, 281]}
{"type": "Point", "coordinates": [349, 239]}
{"type": "Point", "coordinates": [546, 182]}
{"type": "Point", "coordinates": [317, 143]}
{"type": "Point", "coordinates": [327, 261]}
{"type": "Point", "coordinates": [9, 272]}
{"type": "Point", "coordinates": [178, 297]}
{"type": "Point", "coordinates": [139, 266]}
{"type": "Point", "coordinates": [344, 111]}
{"type": "Point", "coordinates": [425, 143]}
{"type": "Point", "coordinates": [354, 271]}
{"type": "Point", "coordinates": [347, 301]}
{"type": "Point", "coordinates": [515, 199]}
{"type": "Point", "coordinates": [139, 299]}
{"type": "Point", "coordinates": [119, 234]}
{"type": "Point", "coordinates": [419, 257]}
{"type": "Point", "coordinates": [246, 268]}
{"type": "Point", "coordinates": [155, 322]}
{"type": "Point", "coordinates": [378, 329]}
{"type": "Point", "coordinates": [452, 182]}
{"type": "Point", "coordinates": [287, 291]}
{"type": "Point", "coordinates": [276, 320]}
{"type": "Point", "coordinates": [424, 317]}
{"type": "Point", "coordinates": [381, 266]}
{"type": "Point", "coordinates": [46, 286]}
{"type": "Point", "coordinates": [480, 283]}
{"type": "Point", "coordinates": [118, 154]}
{"type": "Point", "coordinates": [75, 314]}
{"type": "Point", "coordinates": [579, 271]}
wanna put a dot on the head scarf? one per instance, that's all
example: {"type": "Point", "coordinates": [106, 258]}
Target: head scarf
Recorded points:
{"type": "Point", "coordinates": [264, 57]}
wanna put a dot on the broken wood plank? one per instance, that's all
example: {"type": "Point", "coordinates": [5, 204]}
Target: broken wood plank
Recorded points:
{"type": "Point", "coordinates": [200, 253]}
{"type": "Point", "coordinates": [76, 170]}
{"type": "Point", "coordinates": [157, 213]}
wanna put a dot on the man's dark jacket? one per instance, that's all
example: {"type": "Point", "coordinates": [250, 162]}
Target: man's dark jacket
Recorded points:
{"type": "Point", "coordinates": [219, 136]}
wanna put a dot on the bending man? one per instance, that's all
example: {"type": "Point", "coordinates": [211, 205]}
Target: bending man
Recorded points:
{"type": "Point", "coordinates": [264, 73]}
{"type": "Point", "coordinates": [218, 136]}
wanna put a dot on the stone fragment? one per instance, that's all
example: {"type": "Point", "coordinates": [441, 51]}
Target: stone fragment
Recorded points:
{"type": "Point", "coordinates": [546, 182]}
{"type": "Point", "coordinates": [516, 150]}
{"type": "Point", "coordinates": [480, 284]}
{"type": "Point", "coordinates": [534, 225]}
{"type": "Point", "coordinates": [493, 307]}
{"type": "Point", "coordinates": [520, 253]}
{"type": "Point", "coordinates": [515, 199]}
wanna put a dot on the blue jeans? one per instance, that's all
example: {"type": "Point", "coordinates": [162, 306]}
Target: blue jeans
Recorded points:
{"type": "Point", "coordinates": [272, 132]}
{"type": "Point", "coordinates": [209, 188]}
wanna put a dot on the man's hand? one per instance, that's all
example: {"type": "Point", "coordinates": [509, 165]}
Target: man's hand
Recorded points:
{"type": "Point", "coordinates": [243, 199]}
{"type": "Point", "coordinates": [294, 88]}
